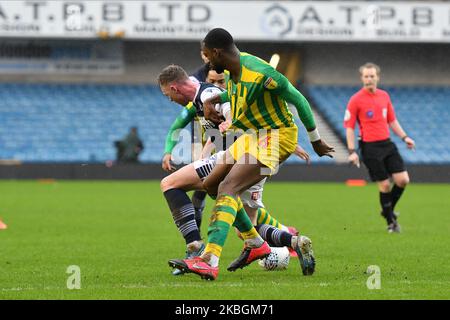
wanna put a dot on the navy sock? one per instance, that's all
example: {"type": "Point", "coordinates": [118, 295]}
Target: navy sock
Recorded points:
{"type": "Point", "coordinates": [198, 200]}
{"type": "Point", "coordinates": [274, 236]}
{"type": "Point", "coordinates": [183, 214]}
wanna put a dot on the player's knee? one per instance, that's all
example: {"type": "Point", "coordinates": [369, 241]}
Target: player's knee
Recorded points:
{"type": "Point", "coordinates": [403, 181]}
{"type": "Point", "coordinates": [384, 186]}
{"type": "Point", "coordinates": [166, 184]}
{"type": "Point", "coordinates": [227, 187]}
{"type": "Point", "coordinates": [210, 188]}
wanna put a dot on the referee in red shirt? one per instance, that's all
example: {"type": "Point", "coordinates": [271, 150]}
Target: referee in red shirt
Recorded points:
{"type": "Point", "coordinates": [372, 109]}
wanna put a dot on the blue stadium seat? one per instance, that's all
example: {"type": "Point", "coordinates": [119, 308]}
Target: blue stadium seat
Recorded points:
{"type": "Point", "coordinates": [303, 141]}
{"type": "Point", "coordinates": [422, 110]}
{"type": "Point", "coordinates": [79, 123]}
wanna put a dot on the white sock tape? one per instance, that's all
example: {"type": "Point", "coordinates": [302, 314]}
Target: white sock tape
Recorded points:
{"type": "Point", "coordinates": [314, 135]}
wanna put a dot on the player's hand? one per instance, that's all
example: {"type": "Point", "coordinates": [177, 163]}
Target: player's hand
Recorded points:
{"type": "Point", "coordinates": [353, 158]}
{"type": "Point", "coordinates": [166, 163]}
{"type": "Point", "coordinates": [322, 148]}
{"type": "Point", "coordinates": [410, 143]}
{"type": "Point", "coordinates": [210, 112]}
{"type": "Point", "coordinates": [302, 154]}
{"type": "Point", "coordinates": [224, 126]}
{"type": "Point", "coordinates": [207, 149]}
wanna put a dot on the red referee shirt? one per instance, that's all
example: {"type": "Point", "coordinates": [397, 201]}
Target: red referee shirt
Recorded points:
{"type": "Point", "coordinates": [373, 111]}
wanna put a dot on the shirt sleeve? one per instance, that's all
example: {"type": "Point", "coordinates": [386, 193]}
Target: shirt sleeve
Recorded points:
{"type": "Point", "coordinates": [226, 110]}
{"type": "Point", "coordinates": [222, 108]}
{"type": "Point", "coordinates": [390, 111]}
{"type": "Point", "coordinates": [224, 97]}
{"type": "Point", "coordinates": [209, 93]}
{"type": "Point", "coordinates": [351, 114]}
{"type": "Point", "coordinates": [280, 85]}
{"type": "Point", "coordinates": [183, 119]}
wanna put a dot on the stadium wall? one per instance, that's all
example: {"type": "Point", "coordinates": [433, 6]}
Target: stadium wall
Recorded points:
{"type": "Point", "coordinates": [404, 64]}
{"type": "Point", "coordinates": [321, 63]}
{"type": "Point", "coordinates": [143, 60]}
{"type": "Point", "coordinates": [401, 64]}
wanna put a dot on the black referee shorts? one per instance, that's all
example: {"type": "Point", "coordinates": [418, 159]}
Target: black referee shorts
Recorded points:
{"type": "Point", "coordinates": [382, 159]}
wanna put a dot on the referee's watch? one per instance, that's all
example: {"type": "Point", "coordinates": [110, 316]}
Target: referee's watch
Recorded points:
{"type": "Point", "coordinates": [404, 138]}
{"type": "Point", "coordinates": [351, 151]}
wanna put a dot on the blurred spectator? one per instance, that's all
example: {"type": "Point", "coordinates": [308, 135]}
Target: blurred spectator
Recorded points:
{"type": "Point", "coordinates": [129, 148]}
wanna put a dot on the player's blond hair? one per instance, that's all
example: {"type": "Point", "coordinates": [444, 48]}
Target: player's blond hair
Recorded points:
{"type": "Point", "coordinates": [172, 73]}
{"type": "Point", "coordinates": [369, 65]}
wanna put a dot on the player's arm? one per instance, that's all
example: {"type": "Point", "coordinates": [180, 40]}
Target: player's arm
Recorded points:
{"type": "Point", "coordinates": [208, 148]}
{"type": "Point", "coordinates": [208, 107]}
{"type": "Point", "coordinates": [221, 108]}
{"type": "Point", "coordinates": [226, 111]}
{"type": "Point", "coordinates": [281, 86]}
{"type": "Point", "coordinates": [302, 154]}
{"type": "Point", "coordinates": [183, 119]}
{"type": "Point", "coordinates": [209, 145]}
{"type": "Point", "coordinates": [352, 155]}
{"type": "Point", "coordinates": [397, 128]}
{"type": "Point", "coordinates": [349, 124]}
{"type": "Point", "coordinates": [350, 135]}
{"type": "Point", "coordinates": [289, 93]}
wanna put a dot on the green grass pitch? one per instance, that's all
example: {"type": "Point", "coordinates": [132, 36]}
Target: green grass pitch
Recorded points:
{"type": "Point", "coordinates": [121, 235]}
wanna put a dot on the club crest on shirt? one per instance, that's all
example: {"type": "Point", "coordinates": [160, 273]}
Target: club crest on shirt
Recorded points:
{"type": "Point", "coordinates": [347, 116]}
{"type": "Point", "coordinates": [369, 114]}
{"type": "Point", "coordinates": [264, 142]}
{"type": "Point", "coordinates": [270, 84]}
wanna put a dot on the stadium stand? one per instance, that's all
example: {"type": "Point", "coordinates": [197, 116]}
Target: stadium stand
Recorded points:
{"type": "Point", "coordinates": [304, 142]}
{"type": "Point", "coordinates": [80, 122]}
{"type": "Point", "coordinates": [422, 110]}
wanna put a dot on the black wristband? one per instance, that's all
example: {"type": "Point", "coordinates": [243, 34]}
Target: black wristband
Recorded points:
{"type": "Point", "coordinates": [351, 151]}
{"type": "Point", "coordinates": [403, 139]}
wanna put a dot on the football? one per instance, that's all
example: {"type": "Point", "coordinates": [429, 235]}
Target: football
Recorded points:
{"type": "Point", "coordinates": [278, 259]}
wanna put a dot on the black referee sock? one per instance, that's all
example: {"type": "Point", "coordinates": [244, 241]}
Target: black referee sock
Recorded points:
{"type": "Point", "coordinates": [396, 194]}
{"type": "Point", "coordinates": [183, 213]}
{"type": "Point", "coordinates": [198, 200]}
{"type": "Point", "coordinates": [274, 236]}
{"type": "Point", "coordinates": [386, 205]}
